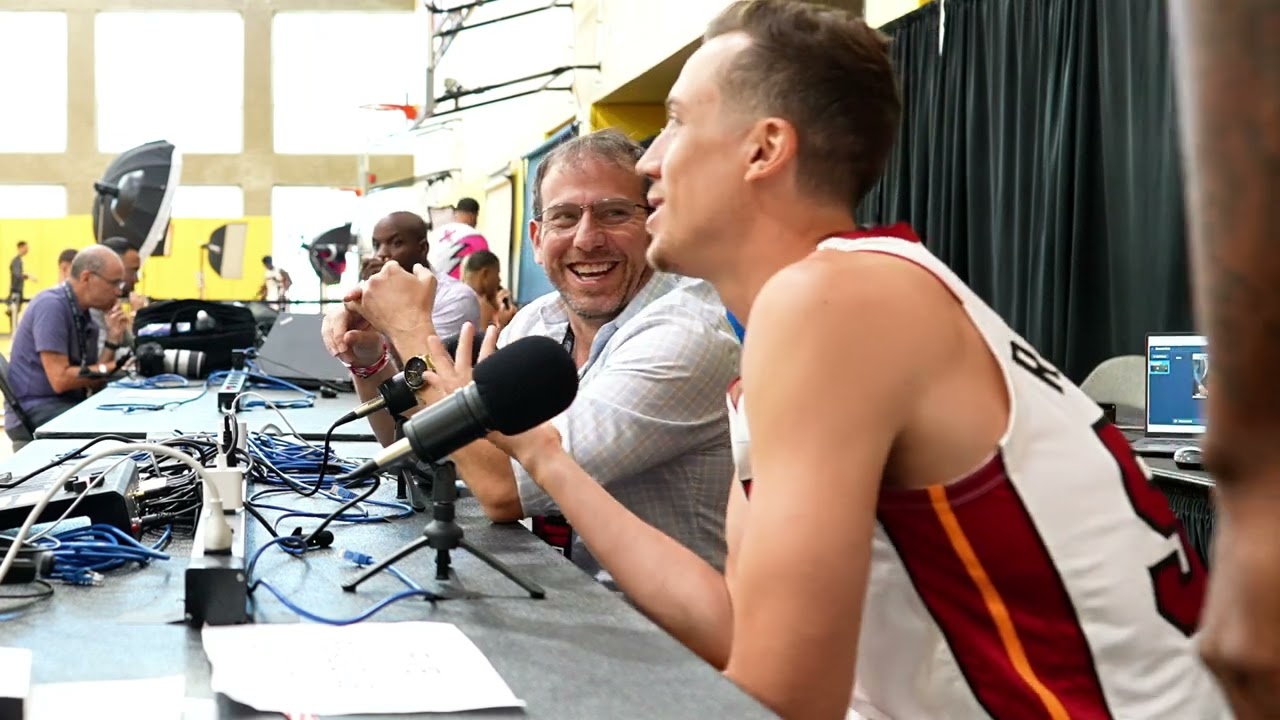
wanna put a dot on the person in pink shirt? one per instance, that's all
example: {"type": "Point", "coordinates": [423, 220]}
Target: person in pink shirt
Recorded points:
{"type": "Point", "coordinates": [458, 239]}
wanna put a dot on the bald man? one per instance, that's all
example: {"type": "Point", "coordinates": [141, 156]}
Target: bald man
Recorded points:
{"type": "Point", "coordinates": [402, 237]}
{"type": "Point", "coordinates": [55, 358]}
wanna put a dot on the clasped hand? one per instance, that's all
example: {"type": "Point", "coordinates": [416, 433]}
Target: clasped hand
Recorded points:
{"type": "Point", "coordinates": [393, 303]}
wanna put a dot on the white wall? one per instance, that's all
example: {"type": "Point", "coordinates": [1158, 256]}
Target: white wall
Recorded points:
{"type": "Point", "coordinates": [486, 139]}
{"type": "Point", "coordinates": [628, 37]}
{"type": "Point", "coordinates": [879, 12]}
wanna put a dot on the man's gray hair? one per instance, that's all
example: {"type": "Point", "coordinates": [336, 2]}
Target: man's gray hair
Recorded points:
{"type": "Point", "coordinates": [94, 259]}
{"type": "Point", "coordinates": [610, 146]}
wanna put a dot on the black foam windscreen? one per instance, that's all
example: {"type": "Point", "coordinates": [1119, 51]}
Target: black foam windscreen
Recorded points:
{"type": "Point", "coordinates": [526, 383]}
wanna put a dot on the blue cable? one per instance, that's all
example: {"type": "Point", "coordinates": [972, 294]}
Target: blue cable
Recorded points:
{"type": "Point", "coordinates": [81, 555]}
{"type": "Point", "coordinates": [414, 590]}
{"type": "Point", "coordinates": [158, 382]}
{"type": "Point", "coordinates": [308, 615]}
{"type": "Point", "coordinates": [257, 379]}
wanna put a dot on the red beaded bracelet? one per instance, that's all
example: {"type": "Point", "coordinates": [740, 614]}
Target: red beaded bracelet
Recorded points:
{"type": "Point", "coordinates": [375, 368]}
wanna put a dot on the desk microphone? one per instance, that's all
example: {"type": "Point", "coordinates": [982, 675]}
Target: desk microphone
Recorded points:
{"type": "Point", "coordinates": [519, 387]}
{"type": "Point", "coordinates": [394, 393]}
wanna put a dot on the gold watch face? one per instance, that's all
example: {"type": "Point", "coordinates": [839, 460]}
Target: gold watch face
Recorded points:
{"type": "Point", "coordinates": [414, 367]}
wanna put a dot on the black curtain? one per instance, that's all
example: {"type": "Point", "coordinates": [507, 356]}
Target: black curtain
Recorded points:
{"type": "Point", "coordinates": [1038, 158]}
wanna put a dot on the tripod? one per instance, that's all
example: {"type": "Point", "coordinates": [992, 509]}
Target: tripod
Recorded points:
{"type": "Point", "coordinates": [443, 535]}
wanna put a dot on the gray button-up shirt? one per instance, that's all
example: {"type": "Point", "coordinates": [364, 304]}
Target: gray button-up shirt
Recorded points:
{"type": "Point", "coordinates": [649, 421]}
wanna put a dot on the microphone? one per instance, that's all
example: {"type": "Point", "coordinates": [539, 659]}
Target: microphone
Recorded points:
{"type": "Point", "coordinates": [521, 386]}
{"type": "Point", "coordinates": [395, 395]}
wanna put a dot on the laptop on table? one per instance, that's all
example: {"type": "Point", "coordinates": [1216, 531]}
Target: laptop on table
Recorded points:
{"type": "Point", "coordinates": [294, 351]}
{"type": "Point", "coordinates": [1177, 390]}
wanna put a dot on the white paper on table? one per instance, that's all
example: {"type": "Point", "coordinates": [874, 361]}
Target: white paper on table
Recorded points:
{"type": "Point", "coordinates": [364, 668]}
{"type": "Point", "coordinates": [152, 699]}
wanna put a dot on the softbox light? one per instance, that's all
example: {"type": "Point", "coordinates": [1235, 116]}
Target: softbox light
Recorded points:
{"type": "Point", "coordinates": [134, 197]}
{"type": "Point", "coordinates": [226, 250]}
{"type": "Point", "coordinates": [328, 254]}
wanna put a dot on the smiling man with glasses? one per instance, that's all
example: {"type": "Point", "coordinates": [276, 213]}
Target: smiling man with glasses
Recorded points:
{"type": "Point", "coordinates": [653, 350]}
{"type": "Point", "coordinates": [57, 341]}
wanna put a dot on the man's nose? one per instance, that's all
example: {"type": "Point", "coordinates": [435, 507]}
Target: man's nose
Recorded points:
{"type": "Point", "coordinates": [589, 234]}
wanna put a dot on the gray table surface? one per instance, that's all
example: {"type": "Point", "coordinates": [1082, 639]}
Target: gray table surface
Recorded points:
{"type": "Point", "coordinates": [580, 653]}
{"type": "Point", "coordinates": [88, 420]}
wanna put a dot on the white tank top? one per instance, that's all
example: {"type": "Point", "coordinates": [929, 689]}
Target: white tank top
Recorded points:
{"type": "Point", "coordinates": [1053, 582]}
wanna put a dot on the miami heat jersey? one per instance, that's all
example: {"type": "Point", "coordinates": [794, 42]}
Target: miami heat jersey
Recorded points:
{"type": "Point", "coordinates": [1053, 582]}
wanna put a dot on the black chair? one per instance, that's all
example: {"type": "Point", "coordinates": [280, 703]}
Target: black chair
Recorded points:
{"type": "Point", "coordinates": [10, 396]}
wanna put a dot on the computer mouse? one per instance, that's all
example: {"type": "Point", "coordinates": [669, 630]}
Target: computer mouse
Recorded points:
{"type": "Point", "coordinates": [1188, 458]}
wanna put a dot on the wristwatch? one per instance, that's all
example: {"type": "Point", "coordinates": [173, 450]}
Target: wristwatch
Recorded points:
{"type": "Point", "coordinates": [414, 369]}
{"type": "Point", "coordinates": [110, 345]}
{"type": "Point", "coordinates": [102, 368]}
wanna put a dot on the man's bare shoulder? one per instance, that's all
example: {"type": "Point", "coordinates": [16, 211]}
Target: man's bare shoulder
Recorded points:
{"type": "Point", "coordinates": [858, 297]}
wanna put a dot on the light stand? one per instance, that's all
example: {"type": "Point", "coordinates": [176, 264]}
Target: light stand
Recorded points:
{"type": "Point", "coordinates": [444, 535]}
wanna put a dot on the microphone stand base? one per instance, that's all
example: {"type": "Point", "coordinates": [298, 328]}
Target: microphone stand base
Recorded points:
{"type": "Point", "coordinates": [444, 535]}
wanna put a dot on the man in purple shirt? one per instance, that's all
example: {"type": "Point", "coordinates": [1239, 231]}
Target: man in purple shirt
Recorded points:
{"type": "Point", "coordinates": [57, 342]}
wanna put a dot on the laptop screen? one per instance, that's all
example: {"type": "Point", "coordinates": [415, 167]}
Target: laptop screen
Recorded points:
{"type": "Point", "coordinates": [1177, 383]}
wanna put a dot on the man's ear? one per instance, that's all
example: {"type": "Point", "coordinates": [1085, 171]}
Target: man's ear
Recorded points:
{"type": "Point", "coordinates": [535, 236]}
{"type": "Point", "coordinates": [773, 146]}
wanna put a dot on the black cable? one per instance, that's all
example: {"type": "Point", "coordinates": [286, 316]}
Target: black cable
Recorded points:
{"type": "Point", "coordinates": [324, 462]}
{"type": "Point", "coordinates": [373, 487]}
{"type": "Point", "coordinates": [28, 598]}
{"type": "Point", "coordinates": [61, 459]}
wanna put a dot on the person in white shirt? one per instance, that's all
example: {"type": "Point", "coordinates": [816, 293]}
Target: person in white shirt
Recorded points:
{"type": "Point", "coordinates": [458, 239]}
{"type": "Point", "coordinates": [275, 284]}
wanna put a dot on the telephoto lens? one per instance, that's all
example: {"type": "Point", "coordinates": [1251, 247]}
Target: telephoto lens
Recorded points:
{"type": "Point", "coordinates": [155, 360]}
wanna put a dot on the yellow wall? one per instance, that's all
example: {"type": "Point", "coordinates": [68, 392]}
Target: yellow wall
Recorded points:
{"type": "Point", "coordinates": [174, 276]}
{"type": "Point", "coordinates": [637, 121]}
{"type": "Point", "coordinates": [162, 277]}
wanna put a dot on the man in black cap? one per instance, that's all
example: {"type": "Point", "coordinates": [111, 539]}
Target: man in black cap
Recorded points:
{"type": "Point", "coordinates": [457, 239]}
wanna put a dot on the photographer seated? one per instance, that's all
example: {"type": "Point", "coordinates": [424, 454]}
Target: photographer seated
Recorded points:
{"type": "Point", "coordinates": [57, 338]}
{"type": "Point", "coordinates": [132, 264]}
{"type": "Point", "coordinates": [653, 351]}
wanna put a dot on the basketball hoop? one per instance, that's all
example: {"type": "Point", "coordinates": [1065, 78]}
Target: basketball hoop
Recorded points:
{"type": "Point", "coordinates": [410, 111]}
{"type": "Point", "coordinates": [356, 190]}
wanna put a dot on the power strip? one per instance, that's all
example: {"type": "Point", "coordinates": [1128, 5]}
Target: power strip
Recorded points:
{"type": "Point", "coordinates": [231, 388]}
{"type": "Point", "coordinates": [217, 590]}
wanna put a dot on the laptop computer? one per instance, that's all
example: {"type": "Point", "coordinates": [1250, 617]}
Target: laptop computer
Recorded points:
{"type": "Point", "coordinates": [1177, 388]}
{"type": "Point", "coordinates": [294, 351]}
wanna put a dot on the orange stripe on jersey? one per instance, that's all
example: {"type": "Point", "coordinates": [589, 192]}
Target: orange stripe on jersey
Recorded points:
{"type": "Point", "coordinates": [995, 604]}
{"type": "Point", "coordinates": [982, 570]}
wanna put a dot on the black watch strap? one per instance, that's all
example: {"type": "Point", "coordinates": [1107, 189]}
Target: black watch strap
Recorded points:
{"type": "Point", "coordinates": [110, 345]}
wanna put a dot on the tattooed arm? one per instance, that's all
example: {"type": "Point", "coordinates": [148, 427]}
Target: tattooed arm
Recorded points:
{"type": "Point", "coordinates": [1227, 55]}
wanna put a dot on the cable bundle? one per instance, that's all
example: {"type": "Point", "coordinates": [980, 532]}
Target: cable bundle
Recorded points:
{"type": "Point", "coordinates": [80, 556]}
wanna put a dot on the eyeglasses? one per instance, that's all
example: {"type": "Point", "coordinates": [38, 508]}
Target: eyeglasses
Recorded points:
{"type": "Point", "coordinates": [118, 283]}
{"type": "Point", "coordinates": [609, 212]}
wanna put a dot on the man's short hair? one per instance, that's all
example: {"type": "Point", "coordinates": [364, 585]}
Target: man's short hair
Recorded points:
{"type": "Point", "coordinates": [609, 146]}
{"type": "Point", "coordinates": [266, 261]}
{"type": "Point", "coordinates": [89, 259]}
{"type": "Point", "coordinates": [118, 244]}
{"type": "Point", "coordinates": [22, 244]}
{"type": "Point", "coordinates": [66, 256]}
{"type": "Point", "coordinates": [468, 205]}
{"type": "Point", "coordinates": [826, 72]}
{"type": "Point", "coordinates": [479, 260]}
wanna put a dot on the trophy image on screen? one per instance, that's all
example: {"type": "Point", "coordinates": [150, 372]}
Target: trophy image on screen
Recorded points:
{"type": "Point", "coordinates": [1200, 375]}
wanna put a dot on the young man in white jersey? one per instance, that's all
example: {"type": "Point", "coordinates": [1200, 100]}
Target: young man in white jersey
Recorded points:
{"type": "Point", "coordinates": [935, 510]}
